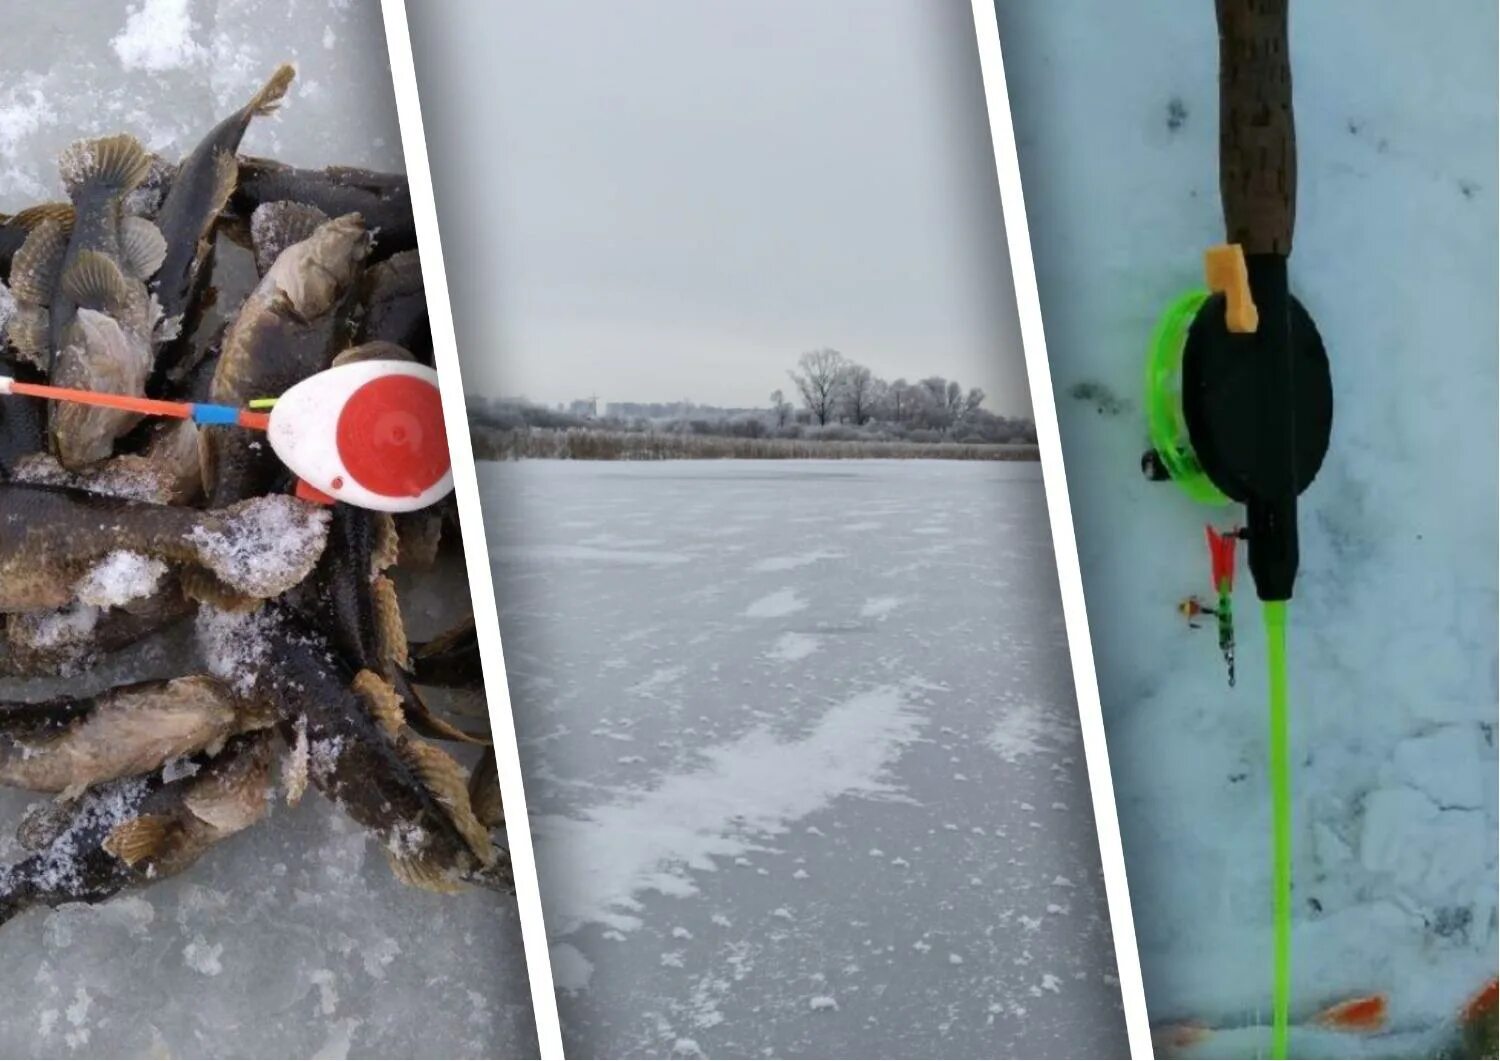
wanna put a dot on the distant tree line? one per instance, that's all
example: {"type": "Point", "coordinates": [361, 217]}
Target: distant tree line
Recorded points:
{"type": "Point", "coordinates": [838, 400]}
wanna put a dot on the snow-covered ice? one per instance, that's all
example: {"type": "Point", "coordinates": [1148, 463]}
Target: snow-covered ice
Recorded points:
{"type": "Point", "coordinates": [756, 878]}
{"type": "Point", "coordinates": [1393, 631]}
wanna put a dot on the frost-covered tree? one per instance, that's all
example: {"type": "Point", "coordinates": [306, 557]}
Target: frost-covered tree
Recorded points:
{"type": "Point", "coordinates": [820, 381]}
{"type": "Point", "coordinates": [781, 409]}
{"type": "Point", "coordinates": [858, 392]}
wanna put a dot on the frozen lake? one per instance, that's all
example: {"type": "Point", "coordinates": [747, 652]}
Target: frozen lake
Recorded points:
{"type": "Point", "coordinates": [802, 758]}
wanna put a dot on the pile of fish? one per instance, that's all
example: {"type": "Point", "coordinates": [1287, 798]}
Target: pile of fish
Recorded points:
{"type": "Point", "coordinates": [114, 528]}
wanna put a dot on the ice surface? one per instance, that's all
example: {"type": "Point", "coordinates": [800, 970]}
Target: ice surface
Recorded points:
{"type": "Point", "coordinates": [752, 876]}
{"type": "Point", "coordinates": [1393, 632]}
{"type": "Point", "coordinates": [293, 938]}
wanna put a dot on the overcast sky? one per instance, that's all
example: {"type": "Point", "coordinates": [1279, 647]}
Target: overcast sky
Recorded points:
{"type": "Point", "coordinates": [673, 199]}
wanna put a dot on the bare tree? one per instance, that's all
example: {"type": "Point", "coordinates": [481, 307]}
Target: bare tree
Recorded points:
{"type": "Point", "coordinates": [781, 408]}
{"type": "Point", "coordinates": [858, 388]}
{"type": "Point", "coordinates": [899, 400]}
{"type": "Point", "coordinates": [819, 381]}
{"type": "Point", "coordinates": [973, 400]}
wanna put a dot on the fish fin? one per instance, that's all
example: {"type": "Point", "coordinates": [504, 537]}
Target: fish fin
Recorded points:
{"type": "Point", "coordinates": [138, 839]}
{"type": "Point", "coordinates": [207, 588]}
{"type": "Point", "coordinates": [448, 640]}
{"type": "Point", "coordinates": [387, 543]}
{"type": "Point", "coordinates": [275, 226]}
{"type": "Point", "coordinates": [449, 785]}
{"type": "Point", "coordinates": [421, 535]}
{"type": "Point", "coordinates": [428, 722]}
{"type": "Point", "coordinates": [142, 246]}
{"type": "Point", "coordinates": [32, 216]}
{"type": "Point", "coordinates": [34, 267]}
{"type": "Point", "coordinates": [484, 791]}
{"type": "Point", "coordinates": [381, 699]}
{"type": "Point", "coordinates": [1366, 1014]}
{"type": "Point", "coordinates": [272, 92]}
{"type": "Point", "coordinates": [28, 332]}
{"type": "Point", "coordinates": [115, 164]}
{"type": "Point", "coordinates": [390, 629]}
{"type": "Point", "coordinates": [418, 872]}
{"type": "Point", "coordinates": [226, 176]}
{"type": "Point", "coordinates": [94, 281]}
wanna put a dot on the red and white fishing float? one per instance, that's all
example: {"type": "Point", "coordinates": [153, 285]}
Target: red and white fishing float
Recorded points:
{"type": "Point", "coordinates": [369, 433]}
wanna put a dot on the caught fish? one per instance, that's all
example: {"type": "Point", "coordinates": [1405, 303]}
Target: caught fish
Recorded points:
{"type": "Point", "coordinates": [281, 335]}
{"type": "Point", "coordinates": [166, 472]}
{"type": "Point", "coordinates": [393, 306]}
{"type": "Point", "coordinates": [69, 744]}
{"type": "Point", "coordinates": [51, 537]}
{"type": "Point", "coordinates": [15, 228]}
{"type": "Point", "coordinates": [104, 347]}
{"type": "Point", "coordinates": [69, 640]}
{"type": "Point", "coordinates": [199, 192]}
{"type": "Point", "coordinates": [358, 751]}
{"type": "Point", "coordinates": [131, 832]}
{"type": "Point", "coordinates": [383, 199]}
{"type": "Point", "coordinates": [420, 535]}
{"type": "Point", "coordinates": [98, 174]}
{"type": "Point", "coordinates": [23, 425]}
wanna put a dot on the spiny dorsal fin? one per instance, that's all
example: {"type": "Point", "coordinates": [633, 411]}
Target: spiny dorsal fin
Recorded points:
{"type": "Point", "coordinates": [34, 268]}
{"type": "Point", "coordinates": [142, 246]}
{"type": "Point", "coordinates": [418, 872]}
{"type": "Point", "coordinates": [139, 839]}
{"type": "Point", "coordinates": [449, 640]}
{"type": "Point", "coordinates": [390, 629]}
{"type": "Point", "coordinates": [384, 704]}
{"type": "Point", "coordinates": [95, 282]}
{"type": "Point", "coordinates": [33, 216]}
{"type": "Point", "coordinates": [387, 542]}
{"type": "Point", "coordinates": [446, 780]}
{"type": "Point", "coordinates": [27, 330]}
{"type": "Point", "coordinates": [111, 164]}
{"type": "Point", "coordinates": [273, 91]}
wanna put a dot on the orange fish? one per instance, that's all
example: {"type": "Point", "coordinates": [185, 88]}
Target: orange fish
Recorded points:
{"type": "Point", "coordinates": [1365, 1014]}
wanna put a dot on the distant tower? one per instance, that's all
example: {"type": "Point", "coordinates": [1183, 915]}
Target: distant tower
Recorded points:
{"type": "Point", "coordinates": [593, 401]}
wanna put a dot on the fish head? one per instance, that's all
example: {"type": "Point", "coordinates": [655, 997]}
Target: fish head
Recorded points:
{"type": "Point", "coordinates": [315, 274]}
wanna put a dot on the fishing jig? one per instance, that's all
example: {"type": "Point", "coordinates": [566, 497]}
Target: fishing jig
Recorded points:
{"type": "Point", "coordinates": [369, 433]}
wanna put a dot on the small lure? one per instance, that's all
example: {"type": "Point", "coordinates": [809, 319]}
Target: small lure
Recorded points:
{"type": "Point", "coordinates": [1221, 556]}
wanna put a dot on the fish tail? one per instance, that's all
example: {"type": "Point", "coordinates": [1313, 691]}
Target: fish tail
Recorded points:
{"type": "Point", "coordinates": [272, 92]}
{"type": "Point", "coordinates": [113, 165]}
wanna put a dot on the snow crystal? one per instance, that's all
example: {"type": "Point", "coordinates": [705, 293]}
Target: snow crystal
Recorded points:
{"type": "Point", "coordinates": [157, 36]}
{"type": "Point", "coordinates": [66, 626]}
{"type": "Point", "coordinates": [822, 1003]}
{"type": "Point", "coordinates": [1027, 729]}
{"type": "Point", "coordinates": [121, 577]}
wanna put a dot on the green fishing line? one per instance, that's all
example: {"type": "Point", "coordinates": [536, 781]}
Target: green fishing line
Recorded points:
{"type": "Point", "coordinates": [1281, 828]}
